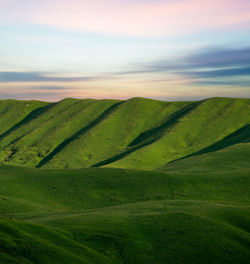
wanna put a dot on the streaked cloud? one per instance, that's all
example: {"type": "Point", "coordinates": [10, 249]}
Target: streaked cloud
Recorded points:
{"type": "Point", "coordinates": [219, 73]}
{"type": "Point", "coordinates": [207, 58]}
{"type": "Point", "coordinates": [210, 63]}
{"type": "Point", "coordinates": [38, 77]}
{"type": "Point", "coordinates": [220, 57]}
{"type": "Point", "coordinates": [227, 83]}
{"type": "Point", "coordinates": [51, 87]}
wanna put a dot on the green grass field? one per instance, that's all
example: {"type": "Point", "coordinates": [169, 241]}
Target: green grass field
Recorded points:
{"type": "Point", "coordinates": [126, 182]}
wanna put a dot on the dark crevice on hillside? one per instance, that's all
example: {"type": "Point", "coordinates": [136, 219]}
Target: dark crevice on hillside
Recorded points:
{"type": "Point", "coordinates": [241, 135]}
{"type": "Point", "coordinates": [14, 141]}
{"type": "Point", "coordinates": [81, 132]}
{"type": "Point", "coordinates": [152, 135]}
{"type": "Point", "coordinates": [32, 115]}
{"type": "Point", "coordinates": [157, 132]}
{"type": "Point", "coordinates": [121, 155]}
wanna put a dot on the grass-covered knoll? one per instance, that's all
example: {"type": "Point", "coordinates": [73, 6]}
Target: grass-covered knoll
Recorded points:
{"type": "Point", "coordinates": [147, 232]}
{"type": "Point", "coordinates": [106, 215]}
{"type": "Point", "coordinates": [27, 190]}
{"type": "Point", "coordinates": [101, 215]}
{"type": "Point", "coordinates": [162, 232]}
{"type": "Point", "coordinates": [138, 133]}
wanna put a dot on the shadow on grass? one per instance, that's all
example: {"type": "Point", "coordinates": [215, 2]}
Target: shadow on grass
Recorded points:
{"type": "Point", "coordinates": [241, 135]}
{"type": "Point", "coordinates": [32, 115]}
{"type": "Point", "coordinates": [77, 134]}
{"type": "Point", "coordinates": [151, 135]}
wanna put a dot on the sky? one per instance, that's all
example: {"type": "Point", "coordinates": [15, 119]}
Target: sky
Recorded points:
{"type": "Point", "coordinates": [118, 49]}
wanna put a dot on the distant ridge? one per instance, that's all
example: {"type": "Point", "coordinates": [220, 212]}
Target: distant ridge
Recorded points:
{"type": "Point", "coordinates": [137, 133]}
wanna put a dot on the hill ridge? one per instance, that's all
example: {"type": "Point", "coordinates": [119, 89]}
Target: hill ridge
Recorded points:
{"type": "Point", "coordinates": [135, 133]}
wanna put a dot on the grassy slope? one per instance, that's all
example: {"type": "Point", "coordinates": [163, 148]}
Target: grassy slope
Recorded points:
{"type": "Point", "coordinates": [113, 134]}
{"type": "Point", "coordinates": [143, 217]}
{"type": "Point", "coordinates": [12, 112]}
{"type": "Point", "coordinates": [209, 122]}
{"type": "Point", "coordinates": [149, 232]}
{"type": "Point", "coordinates": [192, 210]}
{"type": "Point", "coordinates": [41, 135]}
{"type": "Point", "coordinates": [25, 190]}
{"type": "Point", "coordinates": [23, 243]}
{"type": "Point", "coordinates": [231, 159]}
{"type": "Point", "coordinates": [137, 133]}
{"type": "Point", "coordinates": [162, 232]}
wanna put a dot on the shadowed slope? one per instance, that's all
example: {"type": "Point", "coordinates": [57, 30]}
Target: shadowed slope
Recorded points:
{"type": "Point", "coordinates": [233, 159]}
{"type": "Point", "coordinates": [79, 133]}
{"type": "Point", "coordinates": [138, 133]}
{"type": "Point", "coordinates": [37, 139]}
{"type": "Point", "coordinates": [34, 114]}
{"type": "Point", "coordinates": [242, 135]}
{"type": "Point", "coordinates": [150, 136]}
{"type": "Point", "coordinates": [13, 112]}
{"type": "Point", "coordinates": [209, 122]}
{"type": "Point", "coordinates": [112, 135]}
{"type": "Point", "coordinates": [156, 133]}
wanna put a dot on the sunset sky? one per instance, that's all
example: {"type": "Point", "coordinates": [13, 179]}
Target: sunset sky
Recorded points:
{"type": "Point", "coordinates": [162, 49]}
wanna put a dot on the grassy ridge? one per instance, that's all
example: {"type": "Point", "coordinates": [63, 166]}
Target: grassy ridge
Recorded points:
{"type": "Point", "coordinates": [113, 134]}
{"type": "Point", "coordinates": [209, 122]}
{"type": "Point", "coordinates": [192, 208]}
{"type": "Point", "coordinates": [137, 133]}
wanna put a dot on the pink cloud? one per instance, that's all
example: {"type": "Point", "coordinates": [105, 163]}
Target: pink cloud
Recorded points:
{"type": "Point", "coordinates": [131, 18]}
{"type": "Point", "coordinates": [141, 19]}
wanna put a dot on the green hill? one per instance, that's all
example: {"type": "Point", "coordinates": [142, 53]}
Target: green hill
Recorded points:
{"type": "Point", "coordinates": [234, 158]}
{"type": "Point", "coordinates": [150, 232]}
{"type": "Point", "coordinates": [101, 215]}
{"type": "Point", "coordinates": [137, 133]}
{"type": "Point", "coordinates": [27, 190]}
{"type": "Point", "coordinates": [125, 182]}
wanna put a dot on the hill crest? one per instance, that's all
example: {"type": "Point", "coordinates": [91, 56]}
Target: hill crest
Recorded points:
{"type": "Point", "coordinates": [136, 133]}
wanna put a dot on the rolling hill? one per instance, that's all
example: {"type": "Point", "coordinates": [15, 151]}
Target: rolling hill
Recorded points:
{"type": "Point", "coordinates": [108, 215]}
{"type": "Point", "coordinates": [137, 134]}
{"type": "Point", "coordinates": [125, 182]}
